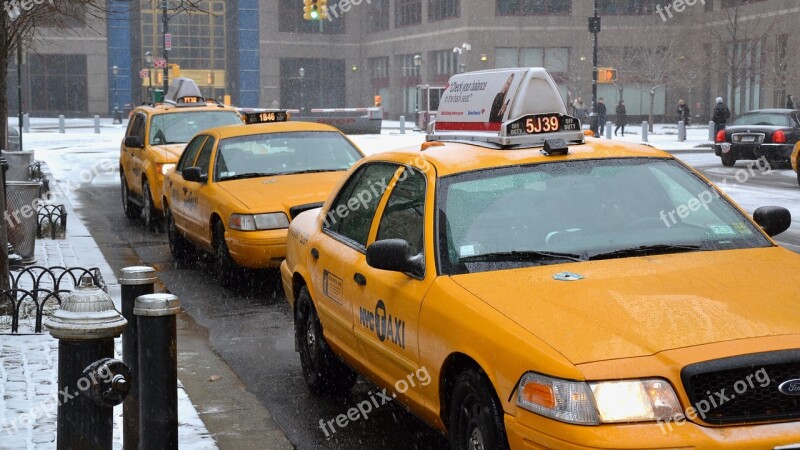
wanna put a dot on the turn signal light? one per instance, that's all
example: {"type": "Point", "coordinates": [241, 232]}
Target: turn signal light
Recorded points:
{"type": "Point", "coordinates": [779, 137]}
{"type": "Point", "coordinates": [721, 136]}
{"type": "Point", "coordinates": [539, 394]}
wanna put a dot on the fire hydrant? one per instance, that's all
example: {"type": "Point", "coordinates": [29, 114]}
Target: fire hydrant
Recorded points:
{"type": "Point", "coordinates": [90, 381]}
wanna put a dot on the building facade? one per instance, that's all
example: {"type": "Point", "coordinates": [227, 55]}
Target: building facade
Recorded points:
{"type": "Point", "coordinates": [264, 53]}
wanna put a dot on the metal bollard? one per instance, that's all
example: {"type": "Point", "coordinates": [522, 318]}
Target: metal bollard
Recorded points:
{"type": "Point", "coordinates": [402, 124]}
{"type": "Point", "coordinates": [96, 124]}
{"type": "Point", "coordinates": [712, 136]}
{"type": "Point", "coordinates": [26, 123]}
{"type": "Point", "coordinates": [607, 128]}
{"type": "Point", "coordinates": [681, 131]}
{"type": "Point", "coordinates": [158, 371]}
{"type": "Point", "coordinates": [134, 281]}
{"type": "Point", "coordinates": [645, 129]}
{"type": "Point", "coordinates": [90, 383]}
{"type": "Point", "coordinates": [62, 128]}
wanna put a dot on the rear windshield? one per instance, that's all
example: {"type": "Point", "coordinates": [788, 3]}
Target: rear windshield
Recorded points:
{"type": "Point", "coordinates": [767, 119]}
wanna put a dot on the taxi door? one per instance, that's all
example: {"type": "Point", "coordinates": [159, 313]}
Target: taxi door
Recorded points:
{"type": "Point", "coordinates": [336, 251]}
{"type": "Point", "coordinates": [197, 202]}
{"type": "Point", "coordinates": [177, 189]}
{"type": "Point", "coordinates": [387, 306]}
{"type": "Point", "coordinates": [132, 156]}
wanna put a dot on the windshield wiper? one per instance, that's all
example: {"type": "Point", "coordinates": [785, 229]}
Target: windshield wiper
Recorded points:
{"type": "Point", "coordinates": [244, 176]}
{"type": "Point", "coordinates": [527, 255]}
{"type": "Point", "coordinates": [299, 172]}
{"type": "Point", "coordinates": [659, 249]}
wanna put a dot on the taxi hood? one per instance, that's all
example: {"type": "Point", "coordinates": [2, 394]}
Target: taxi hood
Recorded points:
{"type": "Point", "coordinates": [631, 307]}
{"type": "Point", "coordinates": [267, 194]}
{"type": "Point", "coordinates": [170, 152]}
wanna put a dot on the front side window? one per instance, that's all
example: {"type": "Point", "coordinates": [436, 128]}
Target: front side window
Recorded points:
{"type": "Point", "coordinates": [204, 158]}
{"type": "Point", "coordinates": [350, 216]}
{"type": "Point", "coordinates": [404, 215]}
{"type": "Point", "coordinates": [179, 127]}
{"type": "Point", "coordinates": [582, 210]}
{"type": "Point", "coordinates": [190, 153]}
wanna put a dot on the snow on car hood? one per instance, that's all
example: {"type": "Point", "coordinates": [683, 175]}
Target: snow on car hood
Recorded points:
{"type": "Point", "coordinates": [631, 307]}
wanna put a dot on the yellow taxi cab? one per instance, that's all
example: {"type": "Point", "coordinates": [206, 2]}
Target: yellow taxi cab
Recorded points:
{"type": "Point", "coordinates": [556, 290]}
{"type": "Point", "coordinates": [795, 160]}
{"type": "Point", "coordinates": [155, 139]}
{"type": "Point", "coordinates": [235, 189]}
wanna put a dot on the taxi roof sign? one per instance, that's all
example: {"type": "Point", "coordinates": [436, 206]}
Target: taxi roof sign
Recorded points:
{"type": "Point", "coordinates": [271, 116]}
{"type": "Point", "coordinates": [507, 107]}
{"type": "Point", "coordinates": [184, 92]}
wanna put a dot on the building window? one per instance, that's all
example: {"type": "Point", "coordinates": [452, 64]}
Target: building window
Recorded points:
{"type": "Point", "coordinates": [58, 84]}
{"type": "Point", "coordinates": [734, 3]}
{"type": "Point", "coordinates": [379, 79]}
{"type": "Point", "coordinates": [290, 14]}
{"type": "Point", "coordinates": [407, 12]}
{"type": "Point", "coordinates": [378, 16]}
{"type": "Point", "coordinates": [409, 78]}
{"type": "Point", "coordinates": [322, 84]}
{"type": "Point", "coordinates": [555, 59]}
{"type": "Point", "coordinates": [626, 7]}
{"type": "Point", "coordinates": [443, 64]}
{"type": "Point", "coordinates": [533, 7]}
{"type": "Point", "coordinates": [443, 9]}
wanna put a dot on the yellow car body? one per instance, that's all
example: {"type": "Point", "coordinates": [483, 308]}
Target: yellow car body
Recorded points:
{"type": "Point", "coordinates": [644, 317]}
{"type": "Point", "coordinates": [143, 166]}
{"type": "Point", "coordinates": [194, 208]}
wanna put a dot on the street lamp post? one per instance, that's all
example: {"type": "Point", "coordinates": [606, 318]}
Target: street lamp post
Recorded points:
{"type": "Point", "coordinates": [148, 58]}
{"type": "Point", "coordinates": [116, 113]}
{"type": "Point", "coordinates": [165, 21]}
{"type": "Point", "coordinates": [302, 73]}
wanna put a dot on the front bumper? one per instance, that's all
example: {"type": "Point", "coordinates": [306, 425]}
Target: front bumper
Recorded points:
{"type": "Point", "coordinates": [772, 152]}
{"type": "Point", "coordinates": [257, 249]}
{"type": "Point", "coordinates": [530, 431]}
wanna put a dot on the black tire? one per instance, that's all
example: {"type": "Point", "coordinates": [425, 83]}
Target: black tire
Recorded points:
{"type": "Point", "coordinates": [131, 211]}
{"type": "Point", "coordinates": [323, 372]}
{"type": "Point", "coordinates": [476, 417]}
{"type": "Point", "coordinates": [728, 160]}
{"type": "Point", "coordinates": [152, 221]}
{"type": "Point", "coordinates": [224, 267]}
{"type": "Point", "coordinates": [798, 172]}
{"type": "Point", "coordinates": [178, 245]}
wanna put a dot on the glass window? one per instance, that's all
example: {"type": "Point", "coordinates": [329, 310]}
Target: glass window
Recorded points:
{"type": "Point", "coordinates": [190, 153]}
{"type": "Point", "coordinates": [506, 58]}
{"type": "Point", "coordinates": [531, 57]}
{"type": "Point", "coordinates": [533, 7]}
{"type": "Point", "coordinates": [404, 215]}
{"type": "Point", "coordinates": [179, 127]}
{"type": "Point", "coordinates": [351, 214]}
{"type": "Point", "coordinates": [136, 127]}
{"type": "Point", "coordinates": [204, 158]}
{"type": "Point", "coordinates": [556, 59]}
{"type": "Point", "coordinates": [443, 9]}
{"type": "Point", "coordinates": [378, 14]}
{"type": "Point", "coordinates": [407, 12]}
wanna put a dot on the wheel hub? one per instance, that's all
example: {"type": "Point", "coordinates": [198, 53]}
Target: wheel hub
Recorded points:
{"type": "Point", "coordinates": [311, 337]}
{"type": "Point", "coordinates": [476, 440]}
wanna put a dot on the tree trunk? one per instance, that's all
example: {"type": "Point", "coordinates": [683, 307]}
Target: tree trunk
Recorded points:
{"type": "Point", "coordinates": [652, 108]}
{"type": "Point", "coordinates": [4, 44]}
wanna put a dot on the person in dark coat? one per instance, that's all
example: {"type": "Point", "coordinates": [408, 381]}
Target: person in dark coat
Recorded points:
{"type": "Point", "coordinates": [721, 115]}
{"type": "Point", "coordinates": [683, 112]}
{"type": "Point", "coordinates": [790, 102]}
{"type": "Point", "coordinates": [601, 110]}
{"type": "Point", "coordinates": [622, 117]}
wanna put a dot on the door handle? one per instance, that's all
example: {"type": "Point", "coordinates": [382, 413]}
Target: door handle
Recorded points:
{"type": "Point", "coordinates": [360, 279]}
{"type": "Point", "coordinates": [315, 253]}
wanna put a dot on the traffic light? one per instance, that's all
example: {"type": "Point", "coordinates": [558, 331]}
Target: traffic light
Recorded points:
{"type": "Point", "coordinates": [323, 9]}
{"type": "Point", "coordinates": [311, 10]}
{"type": "Point", "coordinates": [606, 75]}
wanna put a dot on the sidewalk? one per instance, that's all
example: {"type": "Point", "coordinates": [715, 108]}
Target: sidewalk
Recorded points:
{"type": "Point", "coordinates": [29, 362]}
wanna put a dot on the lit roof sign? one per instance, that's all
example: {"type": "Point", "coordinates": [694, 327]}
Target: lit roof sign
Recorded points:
{"type": "Point", "coordinates": [184, 92]}
{"type": "Point", "coordinates": [505, 106]}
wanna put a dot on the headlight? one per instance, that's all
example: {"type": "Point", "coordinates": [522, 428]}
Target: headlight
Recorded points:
{"type": "Point", "coordinates": [567, 401]}
{"type": "Point", "coordinates": [246, 222]}
{"type": "Point", "coordinates": [602, 402]}
{"type": "Point", "coordinates": [635, 400]}
{"type": "Point", "coordinates": [166, 167]}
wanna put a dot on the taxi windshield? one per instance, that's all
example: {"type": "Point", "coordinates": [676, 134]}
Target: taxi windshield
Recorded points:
{"type": "Point", "coordinates": [179, 127]}
{"type": "Point", "coordinates": [582, 210]}
{"type": "Point", "coordinates": [289, 153]}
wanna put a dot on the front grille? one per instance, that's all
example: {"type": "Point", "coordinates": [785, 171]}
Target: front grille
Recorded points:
{"type": "Point", "coordinates": [296, 210]}
{"type": "Point", "coordinates": [730, 390]}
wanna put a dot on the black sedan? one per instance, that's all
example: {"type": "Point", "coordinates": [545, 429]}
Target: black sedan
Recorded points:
{"type": "Point", "coordinates": [769, 133]}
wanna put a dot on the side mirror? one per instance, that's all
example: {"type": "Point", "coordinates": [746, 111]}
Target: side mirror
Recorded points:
{"type": "Point", "coordinates": [773, 219]}
{"type": "Point", "coordinates": [134, 141]}
{"type": "Point", "coordinates": [194, 174]}
{"type": "Point", "coordinates": [394, 255]}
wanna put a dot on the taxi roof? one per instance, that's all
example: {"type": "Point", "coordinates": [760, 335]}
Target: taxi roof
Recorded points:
{"type": "Point", "coordinates": [168, 108]}
{"type": "Point", "coordinates": [265, 128]}
{"type": "Point", "coordinates": [450, 158]}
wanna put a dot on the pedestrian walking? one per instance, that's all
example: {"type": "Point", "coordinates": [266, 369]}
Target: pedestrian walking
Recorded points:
{"type": "Point", "coordinates": [684, 113]}
{"type": "Point", "coordinates": [622, 117]}
{"type": "Point", "coordinates": [721, 115]}
{"type": "Point", "coordinates": [579, 109]}
{"type": "Point", "coordinates": [790, 101]}
{"type": "Point", "coordinates": [601, 110]}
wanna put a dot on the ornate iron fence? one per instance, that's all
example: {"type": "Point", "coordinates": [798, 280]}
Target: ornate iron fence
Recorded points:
{"type": "Point", "coordinates": [52, 220]}
{"type": "Point", "coordinates": [39, 286]}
